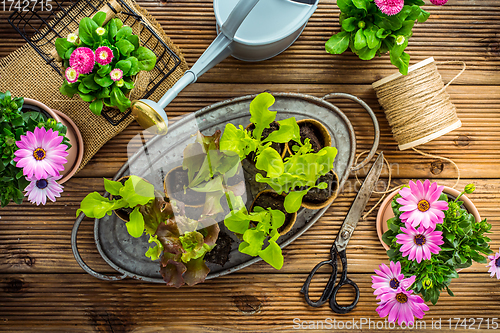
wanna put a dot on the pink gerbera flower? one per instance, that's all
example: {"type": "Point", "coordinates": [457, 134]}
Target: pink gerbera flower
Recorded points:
{"type": "Point", "coordinates": [494, 265]}
{"type": "Point", "coordinates": [390, 7]}
{"type": "Point", "coordinates": [71, 75]}
{"type": "Point", "coordinates": [390, 279]}
{"type": "Point", "coordinates": [103, 55]}
{"type": "Point", "coordinates": [439, 2]}
{"type": "Point", "coordinates": [421, 205]}
{"type": "Point", "coordinates": [420, 243]}
{"type": "Point", "coordinates": [116, 74]}
{"type": "Point", "coordinates": [41, 153]}
{"type": "Point", "coordinates": [82, 60]}
{"type": "Point", "coordinates": [402, 306]}
{"type": "Point", "coordinates": [40, 189]}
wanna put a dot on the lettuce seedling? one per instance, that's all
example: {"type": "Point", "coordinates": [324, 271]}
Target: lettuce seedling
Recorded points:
{"type": "Point", "coordinates": [244, 142]}
{"type": "Point", "coordinates": [135, 192]}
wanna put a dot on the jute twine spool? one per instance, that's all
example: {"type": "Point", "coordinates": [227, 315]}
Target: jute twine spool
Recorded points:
{"type": "Point", "coordinates": [418, 109]}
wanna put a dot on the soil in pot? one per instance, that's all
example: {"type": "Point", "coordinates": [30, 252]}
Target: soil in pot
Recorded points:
{"type": "Point", "coordinates": [176, 180]}
{"type": "Point", "coordinates": [318, 196]}
{"type": "Point", "coordinates": [275, 201]}
{"type": "Point", "coordinates": [220, 253]}
{"type": "Point", "coordinates": [311, 132]}
{"type": "Point", "coordinates": [31, 108]}
{"type": "Point", "coordinates": [279, 147]}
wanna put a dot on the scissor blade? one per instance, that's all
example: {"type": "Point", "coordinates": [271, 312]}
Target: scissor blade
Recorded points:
{"type": "Point", "coordinates": [359, 204]}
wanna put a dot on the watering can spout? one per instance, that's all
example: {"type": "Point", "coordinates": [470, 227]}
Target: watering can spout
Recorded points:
{"type": "Point", "coordinates": [151, 115]}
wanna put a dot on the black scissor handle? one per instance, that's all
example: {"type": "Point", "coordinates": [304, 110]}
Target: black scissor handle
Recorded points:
{"type": "Point", "coordinates": [344, 280]}
{"type": "Point", "coordinates": [329, 285]}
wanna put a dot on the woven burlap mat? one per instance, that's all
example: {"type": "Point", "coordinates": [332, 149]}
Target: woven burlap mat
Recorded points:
{"type": "Point", "coordinates": [26, 74]}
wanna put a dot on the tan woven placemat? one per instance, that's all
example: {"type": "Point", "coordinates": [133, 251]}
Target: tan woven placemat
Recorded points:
{"type": "Point", "coordinates": [26, 74]}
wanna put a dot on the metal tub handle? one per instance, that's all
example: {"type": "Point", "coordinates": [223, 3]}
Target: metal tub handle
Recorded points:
{"type": "Point", "coordinates": [79, 259]}
{"type": "Point", "coordinates": [376, 127]}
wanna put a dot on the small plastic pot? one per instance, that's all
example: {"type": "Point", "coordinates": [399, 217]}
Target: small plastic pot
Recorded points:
{"type": "Point", "coordinates": [170, 193]}
{"type": "Point", "coordinates": [288, 225]}
{"type": "Point", "coordinates": [335, 192]}
{"type": "Point", "coordinates": [385, 211]}
{"type": "Point", "coordinates": [320, 130]}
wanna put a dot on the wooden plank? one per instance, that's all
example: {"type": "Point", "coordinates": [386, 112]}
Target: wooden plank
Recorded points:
{"type": "Point", "coordinates": [37, 239]}
{"type": "Point", "coordinates": [242, 302]}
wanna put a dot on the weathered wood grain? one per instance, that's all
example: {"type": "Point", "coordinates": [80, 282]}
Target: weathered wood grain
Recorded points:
{"type": "Point", "coordinates": [240, 302]}
{"type": "Point", "coordinates": [37, 239]}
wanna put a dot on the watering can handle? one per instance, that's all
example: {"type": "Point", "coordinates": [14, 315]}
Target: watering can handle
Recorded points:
{"type": "Point", "coordinates": [376, 127]}
{"type": "Point", "coordinates": [79, 259]}
{"type": "Point", "coordinates": [215, 53]}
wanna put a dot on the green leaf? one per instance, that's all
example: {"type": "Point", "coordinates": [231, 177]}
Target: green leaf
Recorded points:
{"type": "Point", "coordinates": [146, 58]}
{"type": "Point", "coordinates": [86, 98]}
{"type": "Point", "coordinates": [406, 29]}
{"type": "Point", "coordinates": [113, 187]}
{"type": "Point", "coordinates": [253, 240]}
{"type": "Point", "coordinates": [134, 66]}
{"type": "Point", "coordinates": [382, 33]}
{"type": "Point", "coordinates": [350, 24]}
{"type": "Point", "coordinates": [270, 161]}
{"type": "Point", "coordinates": [371, 37]}
{"type": "Point", "coordinates": [134, 40]}
{"type": "Point", "coordinates": [99, 18]}
{"type": "Point", "coordinates": [293, 200]}
{"type": "Point", "coordinates": [154, 253]}
{"type": "Point", "coordinates": [62, 46]}
{"type": "Point", "coordinates": [366, 53]}
{"type": "Point", "coordinates": [111, 29]}
{"type": "Point", "coordinates": [83, 89]}
{"type": "Point", "coordinates": [261, 117]}
{"type": "Point", "coordinates": [360, 4]}
{"type": "Point", "coordinates": [135, 226]}
{"type": "Point", "coordinates": [289, 130]}
{"type": "Point", "coordinates": [237, 221]}
{"type": "Point", "coordinates": [387, 22]}
{"type": "Point", "coordinates": [124, 32]}
{"type": "Point", "coordinates": [104, 70]}
{"type": "Point", "coordinates": [338, 43]}
{"type": "Point", "coordinates": [96, 206]}
{"type": "Point", "coordinates": [125, 47]}
{"type": "Point", "coordinates": [346, 6]}
{"type": "Point", "coordinates": [69, 89]}
{"type": "Point", "coordinates": [360, 40]}
{"type": "Point", "coordinates": [136, 191]}
{"type": "Point", "coordinates": [272, 255]}
{"type": "Point", "coordinates": [90, 83]}
{"type": "Point", "coordinates": [401, 62]}
{"type": "Point", "coordinates": [67, 55]}
{"type": "Point", "coordinates": [119, 100]}
{"type": "Point", "coordinates": [96, 107]}
{"type": "Point", "coordinates": [124, 65]}
{"type": "Point", "coordinates": [423, 16]}
{"type": "Point", "coordinates": [86, 31]}
{"type": "Point", "coordinates": [104, 81]}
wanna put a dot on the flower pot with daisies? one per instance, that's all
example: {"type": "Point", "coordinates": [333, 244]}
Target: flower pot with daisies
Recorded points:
{"type": "Point", "coordinates": [102, 61]}
{"type": "Point", "coordinates": [34, 149]}
{"type": "Point", "coordinates": [433, 236]}
{"type": "Point", "coordinates": [375, 27]}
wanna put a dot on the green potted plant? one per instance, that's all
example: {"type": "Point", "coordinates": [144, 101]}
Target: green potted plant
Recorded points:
{"type": "Point", "coordinates": [102, 61]}
{"type": "Point", "coordinates": [433, 236]}
{"type": "Point", "coordinates": [374, 27]}
{"type": "Point", "coordinates": [33, 151]}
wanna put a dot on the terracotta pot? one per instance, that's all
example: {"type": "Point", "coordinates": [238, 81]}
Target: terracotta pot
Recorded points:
{"type": "Point", "coordinates": [311, 205]}
{"type": "Point", "coordinates": [326, 139]}
{"type": "Point", "coordinates": [283, 153]}
{"type": "Point", "coordinates": [285, 228]}
{"type": "Point", "coordinates": [385, 211]}
{"type": "Point", "coordinates": [43, 107]}
{"type": "Point", "coordinates": [75, 153]}
{"type": "Point", "coordinates": [168, 189]}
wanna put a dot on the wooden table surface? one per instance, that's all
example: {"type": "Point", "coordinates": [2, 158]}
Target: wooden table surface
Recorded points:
{"type": "Point", "coordinates": [42, 288]}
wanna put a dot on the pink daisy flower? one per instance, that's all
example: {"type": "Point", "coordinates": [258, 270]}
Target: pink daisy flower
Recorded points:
{"type": "Point", "coordinates": [439, 2]}
{"type": "Point", "coordinates": [116, 74]}
{"type": "Point", "coordinates": [41, 153]}
{"type": "Point", "coordinates": [390, 279]}
{"type": "Point", "coordinates": [420, 243]}
{"type": "Point", "coordinates": [402, 306]}
{"type": "Point", "coordinates": [40, 189]}
{"type": "Point", "coordinates": [421, 205]}
{"type": "Point", "coordinates": [103, 55]}
{"type": "Point", "coordinates": [494, 265]}
{"type": "Point", "coordinates": [82, 60]}
{"type": "Point", "coordinates": [71, 75]}
{"type": "Point", "coordinates": [390, 7]}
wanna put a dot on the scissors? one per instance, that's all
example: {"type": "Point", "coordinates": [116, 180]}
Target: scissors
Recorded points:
{"type": "Point", "coordinates": [340, 244]}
